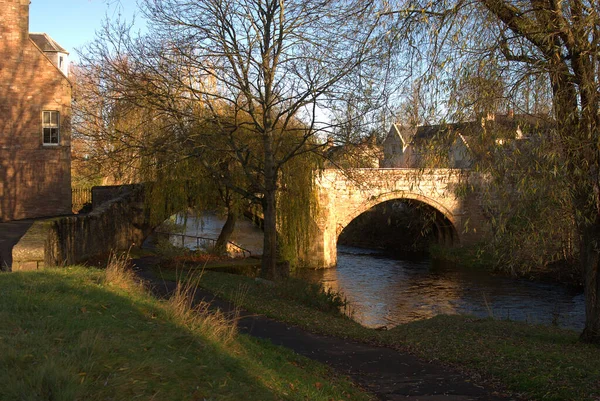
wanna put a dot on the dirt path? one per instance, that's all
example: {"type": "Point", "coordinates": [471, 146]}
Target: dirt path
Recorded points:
{"type": "Point", "coordinates": [387, 373]}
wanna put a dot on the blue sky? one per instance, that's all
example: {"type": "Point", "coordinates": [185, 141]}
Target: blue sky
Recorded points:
{"type": "Point", "coordinates": [73, 23]}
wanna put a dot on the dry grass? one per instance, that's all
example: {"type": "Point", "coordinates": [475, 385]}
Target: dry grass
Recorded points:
{"type": "Point", "coordinates": [182, 305]}
{"type": "Point", "coordinates": [197, 315]}
{"type": "Point", "coordinates": [119, 273]}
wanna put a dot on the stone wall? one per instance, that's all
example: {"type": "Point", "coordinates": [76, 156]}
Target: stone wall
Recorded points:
{"type": "Point", "coordinates": [105, 193]}
{"type": "Point", "coordinates": [116, 225]}
{"type": "Point", "coordinates": [344, 195]}
{"type": "Point", "coordinates": [35, 179]}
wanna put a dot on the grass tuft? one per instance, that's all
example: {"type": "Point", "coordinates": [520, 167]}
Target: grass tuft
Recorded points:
{"type": "Point", "coordinates": [197, 315]}
{"type": "Point", "coordinates": [312, 295]}
{"type": "Point", "coordinates": [119, 272]}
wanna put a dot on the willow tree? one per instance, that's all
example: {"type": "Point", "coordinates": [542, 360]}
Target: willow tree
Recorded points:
{"type": "Point", "coordinates": [524, 41]}
{"type": "Point", "coordinates": [269, 63]}
{"type": "Point", "coordinates": [126, 138]}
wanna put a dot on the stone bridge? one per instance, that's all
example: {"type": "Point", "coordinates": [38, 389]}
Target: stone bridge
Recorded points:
{"type": "Point", "coordinates": [344, 195]}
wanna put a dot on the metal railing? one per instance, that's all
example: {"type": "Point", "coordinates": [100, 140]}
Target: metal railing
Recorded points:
{"type": "Point", "coordinates": [203, 242]}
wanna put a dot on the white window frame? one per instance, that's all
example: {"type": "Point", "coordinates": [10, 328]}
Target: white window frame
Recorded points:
{"type": "Point", "coordinates": [48, 124]}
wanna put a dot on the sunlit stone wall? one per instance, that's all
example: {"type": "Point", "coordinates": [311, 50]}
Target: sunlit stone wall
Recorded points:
{"type": "Point", "coordinates": [344, 195]}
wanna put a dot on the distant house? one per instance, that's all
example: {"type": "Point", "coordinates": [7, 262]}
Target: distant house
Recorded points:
{"type": "Point", "coordinates": [366, 153]}
{"type": "Point", "coordinates": [35, 113]}
{"type": "Point", "coordinates": [455, 145]}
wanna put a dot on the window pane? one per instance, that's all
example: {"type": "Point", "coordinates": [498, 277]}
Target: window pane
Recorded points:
{"type": "Point", "coordinates": [54, 135]}
{"type": "Point", "coordinates": [50, 127]}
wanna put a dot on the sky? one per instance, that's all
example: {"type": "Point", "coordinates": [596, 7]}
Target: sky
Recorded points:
{"type": "Point", "coordinates": [73, 23]}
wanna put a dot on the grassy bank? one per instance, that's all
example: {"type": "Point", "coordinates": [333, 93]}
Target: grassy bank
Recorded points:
{"type": "Point", "coordinates": [538, 362]}
{"type": "Point", "coordinates": [563, 272]}
{"type": "Point", "coordinates": [78, 334]}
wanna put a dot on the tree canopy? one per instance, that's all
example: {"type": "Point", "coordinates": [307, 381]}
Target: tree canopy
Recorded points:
{"type": "Point", "coordinates": [258, 73]}
{"type": "Point", "coordinates": [530, 56]}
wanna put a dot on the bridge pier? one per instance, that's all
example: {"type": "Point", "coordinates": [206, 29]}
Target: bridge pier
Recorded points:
{"type": "Point", "coordinates": [344, 195]}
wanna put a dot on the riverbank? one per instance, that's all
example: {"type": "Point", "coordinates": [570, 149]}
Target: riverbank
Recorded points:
{"type": "Point", "coordinates": [84, 333]}
{"type": "Point", "coordinates": [538, 362]}
{"type": "Point", "coordinates": [561, 272]}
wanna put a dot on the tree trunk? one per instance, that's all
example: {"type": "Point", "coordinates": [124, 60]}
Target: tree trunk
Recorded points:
{"type": "Point", "coordinates": [225, 234]}
{"type": "Point", "coordinates": [590, 259]}
{"type": "Point", "coordinates": [269, 269]}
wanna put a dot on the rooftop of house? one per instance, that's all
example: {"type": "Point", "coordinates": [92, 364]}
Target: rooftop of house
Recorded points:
{"type": "Point", "coordinates": [503, 126]}
{"type": "Point", "coordinates": [46, 43]}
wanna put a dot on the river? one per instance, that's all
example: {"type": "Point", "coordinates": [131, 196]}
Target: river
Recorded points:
{"type": "Point", "coordinates": [386, 292]}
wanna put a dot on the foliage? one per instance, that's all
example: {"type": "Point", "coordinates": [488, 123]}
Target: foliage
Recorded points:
{"type": "Point", "coordinates": [312, 295]}
{"type": "Point", "coordinates": [526, 196]}
{"type": "Point", "coordinates": [297, 206]}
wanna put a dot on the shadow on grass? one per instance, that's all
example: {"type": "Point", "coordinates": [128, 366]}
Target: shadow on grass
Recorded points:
{"type": "Point", "coordinates": [65, 336]}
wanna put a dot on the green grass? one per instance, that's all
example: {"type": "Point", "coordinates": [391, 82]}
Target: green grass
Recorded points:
{"type": "Point", "coordinates": [544, 363]}
{"type": "Point", "coordinates": [268, 300]}
{"type": "Point", "coordinates": [69, 334]}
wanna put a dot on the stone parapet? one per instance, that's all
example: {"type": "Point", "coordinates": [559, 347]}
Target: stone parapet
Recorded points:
{"type": "Point", "coordinates": [116, 225]}
{"type": "Point", "coordinates": [28, 253]}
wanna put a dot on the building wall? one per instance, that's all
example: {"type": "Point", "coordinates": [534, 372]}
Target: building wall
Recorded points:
{"type": "Point", "coordinates": [459, 155]}
{"type": "Point", "coordinates": [61, 60]}
{"type": "Point", "coordinates": [35, 180]}
{"type": "Point", "coordinates": [393, 151]}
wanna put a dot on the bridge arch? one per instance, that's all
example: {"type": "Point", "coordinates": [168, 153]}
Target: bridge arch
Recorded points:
{"type": "Point", "coordinates": [341, 197]}
{"type": "Point", "coordinates": [444, 219]}
{"type": "Point", "coordinates": [389, 196]}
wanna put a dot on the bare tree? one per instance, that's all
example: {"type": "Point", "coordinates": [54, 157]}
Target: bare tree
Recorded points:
{"type": "Point", "coordinates": [254, 68]}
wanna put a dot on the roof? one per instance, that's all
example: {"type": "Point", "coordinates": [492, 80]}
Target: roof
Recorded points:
{"type": "Point", "coordinates": [502, 126]}
{"type": "Point", "coordinates": [46, 43]}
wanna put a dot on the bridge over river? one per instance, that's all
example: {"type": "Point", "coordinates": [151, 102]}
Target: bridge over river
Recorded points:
{"type": "Point", "coordinates": [342, 195]}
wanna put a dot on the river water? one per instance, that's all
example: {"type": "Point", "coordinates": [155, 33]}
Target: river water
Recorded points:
{"type": "Point", "coordinates": [386, 292]}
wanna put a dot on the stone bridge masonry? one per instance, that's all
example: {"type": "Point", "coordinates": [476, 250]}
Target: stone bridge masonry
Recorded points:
{"type": "Point", "coordinates": [344, 195]}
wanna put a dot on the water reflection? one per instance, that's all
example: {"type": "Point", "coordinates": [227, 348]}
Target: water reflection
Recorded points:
{"type": "Point", "coordinates": [387, 292]}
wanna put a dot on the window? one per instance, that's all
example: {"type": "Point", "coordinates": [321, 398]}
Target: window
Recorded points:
{"type": "Point", "coordinates": [51, 124]}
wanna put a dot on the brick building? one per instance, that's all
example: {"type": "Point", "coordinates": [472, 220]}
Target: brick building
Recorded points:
{"type": "Point", "coordinates": [35, 110]}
